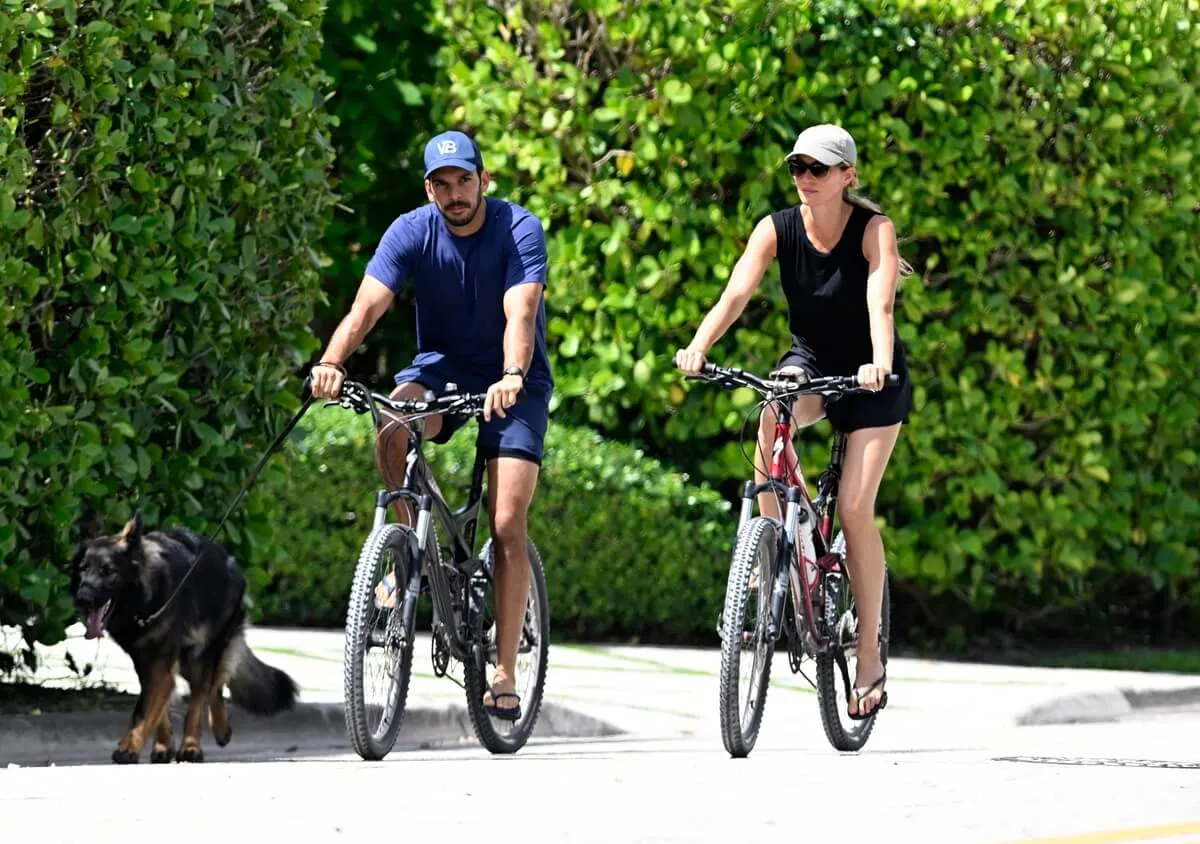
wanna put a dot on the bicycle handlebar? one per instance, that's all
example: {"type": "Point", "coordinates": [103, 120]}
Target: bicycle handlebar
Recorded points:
{"type": "Point", "coordinates": [832, 385]}
{"type": "Point", "coordinates": [357, 397]}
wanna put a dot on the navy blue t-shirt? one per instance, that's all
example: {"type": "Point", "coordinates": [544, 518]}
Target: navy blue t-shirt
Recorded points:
{"type": "Point", "coordinates": [460, 284]}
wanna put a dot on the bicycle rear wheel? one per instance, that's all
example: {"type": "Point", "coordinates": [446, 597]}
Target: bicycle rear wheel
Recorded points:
{"type": "Point", "coordinates": [755, 554]}
{"type": "Point", "coordinates": [833, 670]}
{"type": "Point", "coordinates": [533, 648]}
{"type": "Point", "coordinates": [377, 665]}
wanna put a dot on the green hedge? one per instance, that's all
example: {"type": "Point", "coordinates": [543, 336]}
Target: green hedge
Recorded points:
{"type": "Point", "coordinates": [161, 200]}
{"type": "Point", "coordinates": [631, 548]}
{"type": "Point", "coordinates": [1040, 162]}
{"type": "Point", "coordinates": [379, 57]}
{"type": "Point", "coordinates": [164, 183]}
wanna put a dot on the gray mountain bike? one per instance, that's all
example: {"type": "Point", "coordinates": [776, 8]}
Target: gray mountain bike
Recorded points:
{"type": "Point", "coordinates": [458, 581]}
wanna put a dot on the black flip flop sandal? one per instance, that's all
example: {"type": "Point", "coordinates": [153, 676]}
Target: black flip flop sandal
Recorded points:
{"type": "Point", "coordinates": [510, 713]}
{"type": "Point", "coordinates": [859, 716]}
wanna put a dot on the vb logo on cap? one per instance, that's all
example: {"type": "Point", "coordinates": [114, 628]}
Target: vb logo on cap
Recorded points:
{"type": "Point", "coordinates": [452, 149]}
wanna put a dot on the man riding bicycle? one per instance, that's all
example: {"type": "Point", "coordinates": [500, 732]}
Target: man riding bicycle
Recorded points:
{"type": "Point", "coordinates": [478, 267]}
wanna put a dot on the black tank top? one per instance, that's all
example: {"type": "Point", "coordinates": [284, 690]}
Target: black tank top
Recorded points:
{"type": "Point", "coordinates": [827, 293]}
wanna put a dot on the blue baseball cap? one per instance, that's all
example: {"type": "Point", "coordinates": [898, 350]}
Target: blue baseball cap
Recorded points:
{"type": "Point", "coordinates": [452, 149]}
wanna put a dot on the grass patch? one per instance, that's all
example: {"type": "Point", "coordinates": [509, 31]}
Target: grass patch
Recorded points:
{"type": "Point", "coordinates": [32, 699]}
{"type": "Point", "coordinates": [1185, 660]}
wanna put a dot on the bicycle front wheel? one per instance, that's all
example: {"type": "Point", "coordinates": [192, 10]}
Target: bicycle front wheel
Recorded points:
{"type": "Point", "coordinates": [499, 735]}
{"type": "Point", "coordinates": [745, 621]}
{"type": "Point", "coordinates": [377, 664]}
{"type": "Point", "coordinates": [833, 668]}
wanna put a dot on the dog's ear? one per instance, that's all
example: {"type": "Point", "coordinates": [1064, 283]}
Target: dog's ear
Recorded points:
{"type": "Point", "coordinates": [131, 534]}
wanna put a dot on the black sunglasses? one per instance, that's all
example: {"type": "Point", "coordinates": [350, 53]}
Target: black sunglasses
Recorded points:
{"type": "Point", "coordinates": [799, 168]}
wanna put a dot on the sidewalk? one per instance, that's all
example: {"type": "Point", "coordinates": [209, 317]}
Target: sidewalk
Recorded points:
{"type": "Point", "coordinates": [591, 691]}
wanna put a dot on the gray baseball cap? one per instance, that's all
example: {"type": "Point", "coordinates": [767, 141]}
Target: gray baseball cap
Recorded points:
{"type": "Point", "coordinates": [827, 144]}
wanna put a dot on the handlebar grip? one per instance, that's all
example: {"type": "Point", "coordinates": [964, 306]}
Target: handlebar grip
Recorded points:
{"type": "Point", "coordinates": [306, 392]}
{"type": "Point", "coordinates": [889, 380]}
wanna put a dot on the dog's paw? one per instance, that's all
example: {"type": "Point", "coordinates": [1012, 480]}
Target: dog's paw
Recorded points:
{"type": "Point", "coordinates": [222, 738]}
{"type": "Point", "coordinates": [190, 753]}
{"type": "Point", "coordinates": [162, 755]}
{"type": "Point", "coordinates": [123, 756]}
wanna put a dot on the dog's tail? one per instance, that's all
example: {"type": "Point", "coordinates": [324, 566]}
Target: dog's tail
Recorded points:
{"type": "Point", "coordinates": [258, 688]}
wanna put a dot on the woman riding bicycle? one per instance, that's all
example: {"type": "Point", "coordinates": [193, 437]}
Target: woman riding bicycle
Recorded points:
{"type": "Point", "coordinates": [839, 264]}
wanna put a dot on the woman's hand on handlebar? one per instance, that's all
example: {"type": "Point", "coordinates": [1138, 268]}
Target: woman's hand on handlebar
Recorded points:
{"type": "Point", "coordinates": [689, 361]}
{"type": "Point", "coordinates": [871, 377]}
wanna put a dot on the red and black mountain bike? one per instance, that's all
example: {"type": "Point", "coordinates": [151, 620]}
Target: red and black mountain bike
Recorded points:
{"type": "Point", "coordinates": [788, 579]}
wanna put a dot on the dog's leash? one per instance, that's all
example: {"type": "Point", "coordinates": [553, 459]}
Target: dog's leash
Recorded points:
{"type": "Point", "coordinates": [142, 622]}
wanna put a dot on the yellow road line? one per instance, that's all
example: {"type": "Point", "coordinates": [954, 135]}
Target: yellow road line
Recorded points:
{"type": "Point", "coordinates": [1143, 833]}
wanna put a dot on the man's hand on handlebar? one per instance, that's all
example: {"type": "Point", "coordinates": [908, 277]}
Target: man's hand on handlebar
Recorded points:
{"type": "Point", "coordinates": [501, 396]}
{"type": "Point", "coordinates": [327, 381]}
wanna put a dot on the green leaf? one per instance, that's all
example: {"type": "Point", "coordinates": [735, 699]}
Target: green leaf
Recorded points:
{"type": "Point", "coordinates": [410, 94]}
{"type": "Point", "coordinates": [126, 224]}
{"type": "Point", "coordinates": [677, 92]}
{"type": "Point", "coordinates": [183, 294]}
{"type": "Point", "coordinates": [139, 178]}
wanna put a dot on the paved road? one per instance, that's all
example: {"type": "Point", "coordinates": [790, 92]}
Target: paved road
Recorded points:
{"type": "Point", "coordinates": [918, 780]}
{"type": "Point", "coordinates": [949, 761]}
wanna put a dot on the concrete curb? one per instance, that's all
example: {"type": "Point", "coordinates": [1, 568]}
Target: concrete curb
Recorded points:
{"type": "Point", "coordinates": [309, 728]}
{"type": "Point", "coordinates": [1107, 705]}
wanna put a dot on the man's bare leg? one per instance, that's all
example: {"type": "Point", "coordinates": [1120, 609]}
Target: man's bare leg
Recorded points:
{"type": "Point", "coordinates": [511, 484]}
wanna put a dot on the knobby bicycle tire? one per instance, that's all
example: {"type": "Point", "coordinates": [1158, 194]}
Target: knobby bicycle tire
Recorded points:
{"type": "Point", "coordinates": [515, 734]}
{"type": "Point", "coordinates": [829, 672]}
{"type": "Point", "coordinates": [757, 542]}
{"type": "Point", "coordinates": [376, 744]}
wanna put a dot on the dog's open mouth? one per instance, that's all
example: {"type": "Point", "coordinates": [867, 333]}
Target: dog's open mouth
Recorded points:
{"type": "Point", "coordinates": [96, 620]}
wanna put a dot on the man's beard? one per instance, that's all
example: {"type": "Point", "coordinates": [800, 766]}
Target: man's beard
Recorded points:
{"type": "Point", "coordinates": [460, 214]}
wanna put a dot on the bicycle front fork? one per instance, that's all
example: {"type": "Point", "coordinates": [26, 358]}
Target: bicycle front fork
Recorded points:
{"type": "Point", "coordinates": [797, 535]}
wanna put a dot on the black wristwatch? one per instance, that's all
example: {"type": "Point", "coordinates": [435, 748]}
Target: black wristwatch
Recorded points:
{"type": "Point", "coordinates": [515, 370]}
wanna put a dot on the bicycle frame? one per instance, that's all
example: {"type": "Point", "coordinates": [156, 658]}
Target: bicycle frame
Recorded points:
{"type": "Point", "coordinates": [420, 489]}
{"type": "Point", "coordinates": [804, 545]}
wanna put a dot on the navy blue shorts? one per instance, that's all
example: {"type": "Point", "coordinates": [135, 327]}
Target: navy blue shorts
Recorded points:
{"type": "Point", "coordinates": [521, 433]}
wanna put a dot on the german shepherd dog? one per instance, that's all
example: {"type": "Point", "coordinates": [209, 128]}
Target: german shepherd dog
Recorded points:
{"type": "Point", "coordinates": [119, 581]}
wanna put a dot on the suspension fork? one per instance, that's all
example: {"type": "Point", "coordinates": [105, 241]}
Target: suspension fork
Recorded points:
{"type": "Point", "coordinates": [795, 520]}
{"type": "Point", "coordinates": [783, 476]}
